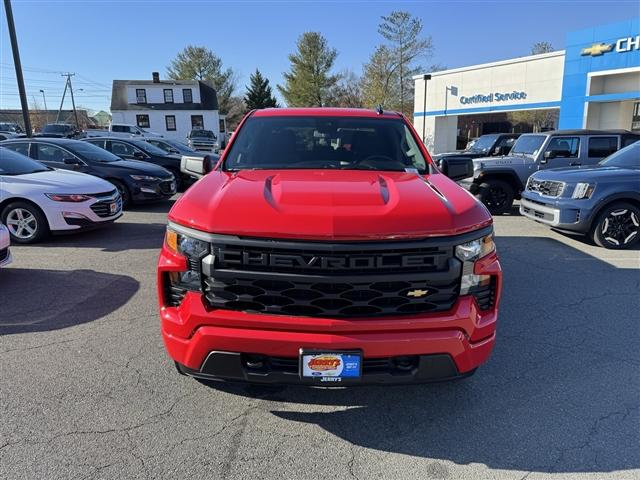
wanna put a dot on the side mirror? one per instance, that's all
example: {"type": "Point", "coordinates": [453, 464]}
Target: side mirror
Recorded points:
{"type": "Point", "coordinates": [208, 164]}
{"type": "Point", "coordinates": [497, 151]}
{"type": "Point", "coordinates": [549, 154]}
{"type": "Point", "coordinates": [139, 155]}
{"type": "Point", "coordinates": [457, 168]}
{"type": "Point", "coordinates": [71, 161]}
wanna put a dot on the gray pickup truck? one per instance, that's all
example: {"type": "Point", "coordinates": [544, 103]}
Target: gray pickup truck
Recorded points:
{"type": "Point", "coordinates": [497, 181]}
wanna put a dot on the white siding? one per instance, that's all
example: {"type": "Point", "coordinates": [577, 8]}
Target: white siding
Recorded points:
{"type": "Point", "coordinates": [539, 76]}
{"type": "Point", "coordinates": [157, 121]}
{"type": "Point", "coordinates": [155, 93]}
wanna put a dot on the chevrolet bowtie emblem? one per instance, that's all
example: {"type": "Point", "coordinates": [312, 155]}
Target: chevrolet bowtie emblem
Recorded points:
{"type": "Point", "coordinates": [417, 293]}
{"type": "Point", "coordinates": [597, 49]}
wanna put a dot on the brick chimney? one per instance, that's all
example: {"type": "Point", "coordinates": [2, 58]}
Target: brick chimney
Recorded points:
{"type": "Point", "coordinates": [156, 77]}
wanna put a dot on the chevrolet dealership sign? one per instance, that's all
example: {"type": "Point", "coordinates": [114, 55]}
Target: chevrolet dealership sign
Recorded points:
{"type": "Point", "coordinates": [625, 44]}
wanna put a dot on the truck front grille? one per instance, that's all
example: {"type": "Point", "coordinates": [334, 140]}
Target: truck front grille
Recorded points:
{"type": "Point", "coordinates": [548, 188]}
{"type": "Point", "coordinates": [333, 280]}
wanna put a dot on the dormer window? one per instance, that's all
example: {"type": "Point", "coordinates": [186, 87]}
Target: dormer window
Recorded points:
{"type": "Point", "coordinates": [141, 95]}
{"type": "Point", "coordinates": [187, 95]}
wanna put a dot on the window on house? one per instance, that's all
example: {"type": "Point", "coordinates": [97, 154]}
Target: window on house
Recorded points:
{"type": "Point", "coordinates": [168, 95]}
{"type": "Point", "coordinates": [197, 121]}
{"type": "Point", "coordinates": [170, 121]}
{"type": "Point", "coordinates": [142, 121]}
{"type": "Point", "coordinates": [187, 95]}
{"type": "Point", "coordinates": [141, 95]}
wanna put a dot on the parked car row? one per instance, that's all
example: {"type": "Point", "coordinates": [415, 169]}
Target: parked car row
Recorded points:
{"type": "Point", "coordinates": [579, 181]}
{"type": "Point", "coordinates": [498, 180]}
{"type": "Point", "coordinates": [36, 200]}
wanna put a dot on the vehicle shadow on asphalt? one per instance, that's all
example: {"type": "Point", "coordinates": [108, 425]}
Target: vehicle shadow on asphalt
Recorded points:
{"type": "Point", "coordinates": [117, 237]}
{"type": "Point", "coordinates": [59, 299]}
{"type": "Point", "coordinates": [155, 207]}
{"type": "Point", "coordinates": [560, 393]}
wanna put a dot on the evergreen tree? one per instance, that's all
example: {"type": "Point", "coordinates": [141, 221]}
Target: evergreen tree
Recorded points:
{"type": "Point", "coordinates": [200, 63]}
{"type": "Point", "coordinates": [309, 82]}
{"type": "Point", "coordinates": [259, 94]}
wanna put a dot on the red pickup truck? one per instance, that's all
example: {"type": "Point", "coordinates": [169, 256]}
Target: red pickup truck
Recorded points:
{"type": "Point", "coordinates": [326, 248]}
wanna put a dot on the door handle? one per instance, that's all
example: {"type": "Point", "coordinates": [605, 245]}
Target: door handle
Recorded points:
{"type": "Point", "coordinates": [575, 164]}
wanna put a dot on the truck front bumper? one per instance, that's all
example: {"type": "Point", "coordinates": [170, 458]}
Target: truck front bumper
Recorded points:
{"type": "Point", "coordinates": [560, 213]}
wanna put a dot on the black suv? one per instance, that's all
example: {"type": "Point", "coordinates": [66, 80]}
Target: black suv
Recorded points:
{"type": "Point", "coordinates": [491, 145]}
{"type": "Point", "coordinates": [137, 182]}
{"type": "Point", "coordinates": [134, 149]}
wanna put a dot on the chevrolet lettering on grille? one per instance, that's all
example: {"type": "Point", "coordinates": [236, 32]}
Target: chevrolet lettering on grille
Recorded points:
{"type": "Point", "coordinates": [232, 257]}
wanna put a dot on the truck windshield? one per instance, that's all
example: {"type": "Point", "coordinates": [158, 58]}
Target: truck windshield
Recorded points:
{"type": "Point", "coordinates": [340, 143]}
{"type": "Point", "coordinates": [528, 144]}
{"type": "Point", "coordinates": [628, 157]}
{"type": "Point", "coordinates": [484, 143]}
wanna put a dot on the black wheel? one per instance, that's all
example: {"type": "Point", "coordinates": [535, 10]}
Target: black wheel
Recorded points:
{"type": "Point", "coordinates": [124, 192]}
{"type": "Point", "coordinates": [26, 222]}
{"type": "Point", "coordinates": [617, 226]}
{"type": "Point", "coordinates": [497, 196]}
{"type": "Point", "coordinates": [179, 180]}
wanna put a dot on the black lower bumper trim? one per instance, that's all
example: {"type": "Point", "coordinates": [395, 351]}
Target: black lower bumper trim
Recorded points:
{"type": "Point", "coordinates": [232, 366]}
{"type": "Point", "coordinates": [85, 224]}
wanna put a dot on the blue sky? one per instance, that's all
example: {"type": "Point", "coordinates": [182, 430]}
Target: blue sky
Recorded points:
{"type": "Point", "coordinates": [128, 39]}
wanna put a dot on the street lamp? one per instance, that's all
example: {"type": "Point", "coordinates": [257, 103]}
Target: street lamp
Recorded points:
{"type": "Point", "coordinates": [454, 92]}
{"type": "Point", "coordinates": [46, 111]}
{"type": "Point", "coordinates": [424, 106]}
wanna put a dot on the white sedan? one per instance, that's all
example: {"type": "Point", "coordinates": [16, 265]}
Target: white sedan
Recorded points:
{"type": "Point", "coordinates": [5, 253]}
{"type": "Point", "coordinates": [36, 200]}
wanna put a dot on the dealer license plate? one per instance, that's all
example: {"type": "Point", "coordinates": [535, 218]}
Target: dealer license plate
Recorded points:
{"type": "Point", "coordinates": [113, 208]}
{"type": "Point", "coordinates": [330, 367]}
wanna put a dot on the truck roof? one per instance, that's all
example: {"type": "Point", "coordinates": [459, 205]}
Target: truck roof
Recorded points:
{"type": "Point", "coordinates": [324, 112]}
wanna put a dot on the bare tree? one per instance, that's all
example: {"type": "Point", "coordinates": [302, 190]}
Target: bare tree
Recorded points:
{"type": "Point", "coordinates": [542, 47]}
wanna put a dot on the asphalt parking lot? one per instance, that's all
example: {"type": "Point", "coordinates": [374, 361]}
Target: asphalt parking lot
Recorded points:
{"type": "Point", "coordinates": [87, 390]}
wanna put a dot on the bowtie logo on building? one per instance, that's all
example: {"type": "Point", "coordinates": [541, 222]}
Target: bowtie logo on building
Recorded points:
{"type": "Point", "coordinates": [597, 49]}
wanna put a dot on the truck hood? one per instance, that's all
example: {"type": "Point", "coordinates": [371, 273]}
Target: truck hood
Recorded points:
{"type": "Point", "coordinates": [484, 163]}
{"type": "Point", "coordinates": [329, 204]}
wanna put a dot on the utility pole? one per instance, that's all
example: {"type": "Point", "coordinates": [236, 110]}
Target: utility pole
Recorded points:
{"type": "Point", "coordinates": [68, 85]}
{"type": "Point", "coordinates": [73, 102]}
{"type": "Point", "coordinates": [18, 66]}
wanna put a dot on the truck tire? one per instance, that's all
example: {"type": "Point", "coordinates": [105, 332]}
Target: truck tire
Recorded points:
{"type": "Point", "coordinates": [617, 226]}
{"type": "Point", "coordinates": [25, 221]}
{"type": "Point", "coordinates": [497, 196]}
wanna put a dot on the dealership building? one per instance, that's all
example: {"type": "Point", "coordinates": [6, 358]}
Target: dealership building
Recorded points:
{"type": "Point", "coordinates": [593, 83]}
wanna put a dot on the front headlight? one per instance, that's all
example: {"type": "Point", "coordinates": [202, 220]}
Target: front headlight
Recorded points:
{"type": "Point", "coordinates": [188, 246]}
{"type": "Point", "coordinates": [144, 178]}
{"type": "Point", "coordinates": [583, 190]}
{"type": "Point", "coordinates": [194, 250]}
{"type": "Point", "coordinates": [475, 249]}
{"type": "Point", "coordinates": [73, 198]}
{"type": "Point", "coordinates": [469, 252]}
